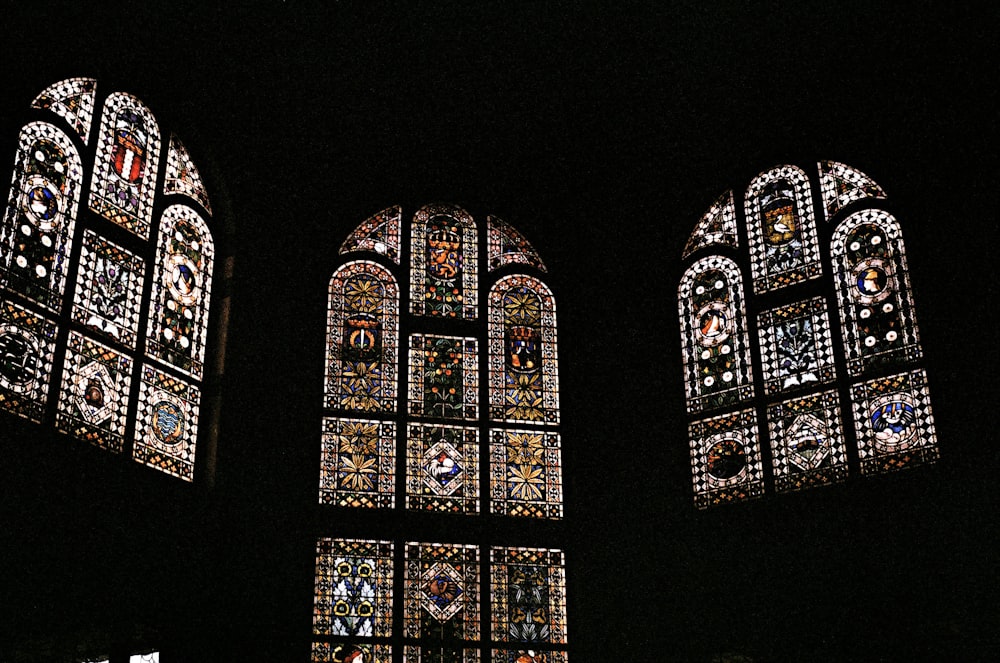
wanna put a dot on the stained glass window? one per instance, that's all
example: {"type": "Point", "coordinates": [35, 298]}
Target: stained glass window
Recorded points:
{"type": "Point", "coordinates": [443, 263]}
{"type": "Point", "coordinates": [507, 246]}
{"type": "Point", "coordinates": [716, 227]}
{"type": "Point", "coordinates": [444, 377]}
{"type": "Point", "coordinates": [73, 100]}
{"type": "Point", "coordinates": [816, 342]}
{"type": "Point", "coordinates": [86, 345]}
{"type": "Point", "coordinates": [442, 468]}
{"type": "Point", "coordinates": [873, 290]}
{"type": "Point", "coordinates": [93, 399]}
{"type": "Point", "coordinates": [182, 288]}
{"type": "Point", "coordinates": [379, 233]}
{"type": "Point", "coordinates": [128, 157]}
{"type": "Point", "coordinates": [41, 213]}
{"type": "Point", "coordinates": [108, 289]}
{"type": "Point", "coordinates": [407, 429]}
{"type": "Point", "coordinates": [526, 473]}
{"type": "Point", "coordinates": [713, 334]}
{"type": "Point", "coordinates": [362, 338]}
{"type": "Point", "coordinates": [182, 175]}
{"type": "Point", "coordinates": [781, 229]}
{"type": "Point", "coordinates": [524, 381]}
{"type": "Point", "coordinates": [528, 597]}
{"type": "Point", "coordinates": [358, 464]}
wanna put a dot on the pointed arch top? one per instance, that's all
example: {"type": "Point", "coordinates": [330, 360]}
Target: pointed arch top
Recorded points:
{"type": "Point", "coordinates": [378, 233]}
{"type": "Point", "coordinates": [507, 246]}
{"type": "Point", "coordinates": [72, 100]}
{"type": "Point", "coordinates": [444, 263]}
{"type": "Point", "coordinates": [841, 185]}
{"type": "Point", "coordinates": [717, 227]}
{"type": "Point", "coordinates": [183, 176]}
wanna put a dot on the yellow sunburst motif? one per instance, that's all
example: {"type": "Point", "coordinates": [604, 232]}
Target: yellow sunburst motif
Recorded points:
{"type": "Point", "coordinates": [526, 482]}
{"type": "Point", "coordinates": [358, 438]}
{"type": "Point", "coordinates": [525, 448]}
{"type": "Point", "coordinates": [521, 306]}
{"type": "Point", "coordinates": [364, 293]}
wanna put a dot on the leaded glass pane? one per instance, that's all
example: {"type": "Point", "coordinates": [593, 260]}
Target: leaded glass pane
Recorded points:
{"type": "Point", "coordinates": [37, 232]}
{"type": "Point", "coordinates": [441, 594]}
{"type": "Point", "coordinates": [443, 263]}
{"type": "Point", "coordinates": [362, 338]}
{"type": "Point", "coordinates": [182, 176]}
{"type": "Point", "coordinates": [717, 227]}
{"type": "Point", "coordinates": [781, 229]}
{"type": "Point", "coordinates": [507, 246]}
{"type": "Point", "coordinates": [353, 591]}
{"type": "Point", "coordinates": [108, 289]}
{"type": "Point", "coordinates": [439, 654]}
{"type": "Point", "coordinates": [894, 424]}
{"type": "Point", "coordinates": [442, 468]}
{"type": "Point", "coordinates": [525, 473]}
{"type": "Point", "coordinates": [528, 656]}
{"type": "Point", "coordinates": [444, 377]}
{"type": "Point", "coordinates": [841, 185]}
{"type": "Point", "coordinates": [714, 335]}
{"type": "Point", "coordinates": [27, 343]}
{"type": "Point", "coordinates": [151, 657]}
{"type": "Point", "coordinates": [528, 595]}
{"type": "Point", "coordinates": [725, 459]}
{"type": "Point", "coordinates": [167, 426]}
{"type": "Point", "coordinates": [182, 289]}
{"type": "Point", "coordinates": [358, 464]}
{"type": "Point", "coordinates": [524, 377]}
{"type": "Point", "coordinates": [873, 291]}
{"type": "Point", "coordinates": [379, 233]}
{"type": "Point", "coordinates": [72, 100]}
{"type": "Point", "coordinates": [349, 652]}
{"type": "Point", "coordinates": [795, 346]}
{"type": "Point", "coordinates": [93, 398]}
{"type": "Point", "coordinates": [807, 442]}
{"type": "Point", "coordinates": [127, 161]}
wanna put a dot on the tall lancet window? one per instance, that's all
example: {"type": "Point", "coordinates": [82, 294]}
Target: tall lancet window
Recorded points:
{"type": "Point", "coordinates": [441, 400]}
{"type": "Point", "coordinates": [831, 384]}
{"type": "Point", "coordinates": [106, 293]}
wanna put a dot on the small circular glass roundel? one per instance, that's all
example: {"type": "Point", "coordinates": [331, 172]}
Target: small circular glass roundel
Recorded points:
{"type": "Point", "coordinates": [726, 459]}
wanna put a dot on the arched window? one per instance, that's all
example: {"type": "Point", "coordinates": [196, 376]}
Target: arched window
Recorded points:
{"type": "Point", "coordinates": [106, 294]}
{"type": "Point", "coordinates": [422, 431]}
{"type": "Point", "coordinates": [831, 383]}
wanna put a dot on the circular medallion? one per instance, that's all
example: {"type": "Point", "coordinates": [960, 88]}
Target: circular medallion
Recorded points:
{"type": "Point", "coordinates": [182, 278]}
{"type": "Point", "coordinates": [872, 280]}
{"type": "Point", "coordinates": [42, 202]}
{"type": "Point", "coordinates": [18, 359]}
{"type": "Point", "coordinates": [726, 459]}
{"type": "Point", "coordinates": [168, 422]}
{"type": "Point", "coordinates": [713, 324]}
{"type": "Point", "coordinates": [893, 419]}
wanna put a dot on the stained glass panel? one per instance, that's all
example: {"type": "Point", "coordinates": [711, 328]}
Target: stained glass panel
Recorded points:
{"type": "Point", "coordinates": [127, 161]}
{"type": "Point", "coordinates": [444, 377]}
{"type": "Point", "coordinates": [182, 176]}
{"type": "Point", "coordinates": [807, 442]}
{"type": "Point", "coordinates": [353, 592]}
{"type": "Point", "coordinates": [72, 100]}
{"type": "Point", "coordinates": [795, 346]}
{"type": "Point", "coordinates": [93, 398]}
{"type": "Point", "coordinates": [841, 185]}
{"type": "Point", "coordinates": [167, 426]}
{"type": "Point", "coordinates": [781, 229]}
{"type": "Point", "coordinates": [714, 335]}
{"type": "Point", "coordinates": [442, 468]}
{"type": "Point", "coordinates": [525, 473]}
{"type": "Point", "coordinates": [725, 459]}
{"type": "Point", "coordinates": [873, 291]}
{"type": "Point", "coordinates": [362, 338]}
{"type": "Point", "coordinates": [37, 232]}
{"type": "Point", "coordinates": [524, 377]}
{"type": "Point", "coordinates": [528, 656]}
{"type": "Point", "coordinates": [444, 263]}
{"type": "Point", "coordinates": [441, 599]}
{"type": "Point", "coordinates": [350, 652]}
{"type": "Point", "coordinates": [182, 288]}
{"type": "Point", "coordinates": [358, 465]}
{"type": "Point", "coordinates": [27, 343]}
{"type": "Point", "coordinates": [716, 227]}
{"type": "Point", "coordinates": [108, 289]}
{"type": "Point", "coordinates": [894, 424]}
{"type": "Point", "coordinates": [507, 246]}
{"type": "Point", "coordinates": [528, 595]}
{"type": "Point", "coordinates": [379, 233]}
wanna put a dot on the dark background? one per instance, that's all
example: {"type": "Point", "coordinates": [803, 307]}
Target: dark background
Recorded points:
{"type": "Point", "coordinates": [602, 133]}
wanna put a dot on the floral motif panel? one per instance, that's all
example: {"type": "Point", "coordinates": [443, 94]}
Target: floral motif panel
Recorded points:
{"type": "Point", "coordinates": [444, 377]}
{"type": "Point", "coordinates": [528, 595]}
{"type": "Point", "coordinates": [525, 473]}
{"type": "Point", "coordinates": [795, 346]}
{"type": "Point", "coordinates": [353, 592]}
{"type": "Point", "coordinates": [358, 464]}
{"type": "Point", "coordinates": [108, 289]}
